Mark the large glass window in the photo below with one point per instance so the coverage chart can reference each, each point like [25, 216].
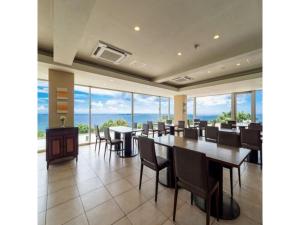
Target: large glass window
[172, 108]
[164, 108]
[81, 112]
[146, 108]
[259, 114]
[214, 109]
[190, 108]
[110, 108]
[243, 107]
[43, 108]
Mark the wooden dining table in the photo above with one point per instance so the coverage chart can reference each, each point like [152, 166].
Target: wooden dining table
[218, 156]
[127, 132]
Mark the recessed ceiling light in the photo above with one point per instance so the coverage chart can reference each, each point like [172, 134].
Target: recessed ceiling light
[208, 71]
[179, 53]
[247, 60]
[238, 64]
[136, 28]
[216, 36]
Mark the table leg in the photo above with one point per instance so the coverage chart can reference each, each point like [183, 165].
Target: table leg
[229, 209]
[253, 157]
[127, 146]
[172, 130]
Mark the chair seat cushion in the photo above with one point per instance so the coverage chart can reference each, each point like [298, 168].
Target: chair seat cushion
[252, 147]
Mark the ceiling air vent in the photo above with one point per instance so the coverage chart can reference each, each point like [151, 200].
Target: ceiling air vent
[182, 79]
[109, 53]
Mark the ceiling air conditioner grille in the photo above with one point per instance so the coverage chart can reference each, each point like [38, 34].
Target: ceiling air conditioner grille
[109, 53]
[182, 79]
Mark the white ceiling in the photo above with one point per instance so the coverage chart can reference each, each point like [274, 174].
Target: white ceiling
[72, 29]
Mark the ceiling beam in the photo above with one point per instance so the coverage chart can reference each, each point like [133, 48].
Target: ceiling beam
[69, 27]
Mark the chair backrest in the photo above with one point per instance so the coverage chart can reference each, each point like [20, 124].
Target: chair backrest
[190, 133]
[107, 134]
[181, 124]
[211, 133]
[251, 137]
[97, 131]
[226, 125]
[161, 126]
[203, 123]
[169, 122]
[191, 169]
[150, 124]
[145, 130]
[147, 150]
[134, 125]
[231, 122]
[229, 138]
[255, 126]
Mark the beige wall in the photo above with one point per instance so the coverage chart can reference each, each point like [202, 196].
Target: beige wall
[60, 79]
[180, 107]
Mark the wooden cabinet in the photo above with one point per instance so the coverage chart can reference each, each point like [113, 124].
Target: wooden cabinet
[61, 143]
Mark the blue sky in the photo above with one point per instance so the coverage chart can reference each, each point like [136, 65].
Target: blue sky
[106, 101]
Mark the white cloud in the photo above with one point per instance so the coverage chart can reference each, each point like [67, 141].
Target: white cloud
[42, 109]
[80, 101]
[214, 100]
[43, 90]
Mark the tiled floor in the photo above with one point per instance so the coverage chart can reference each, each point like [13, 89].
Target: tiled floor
[95, 191]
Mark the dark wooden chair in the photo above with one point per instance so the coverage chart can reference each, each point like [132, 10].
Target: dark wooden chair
[226, 126]
[191, 126]
[144, 133]
[202, 126]
[98, 138]
[230, 139]
[211, 133]
[232, 123]
[255, 126]
[251, 139]
[194, 177]
[190, 133]
[180, 127]
[151, 128]
[112, 142]
[148, 158]
[162, 128]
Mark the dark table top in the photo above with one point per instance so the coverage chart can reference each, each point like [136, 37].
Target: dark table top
[225, 155]
[123, 129]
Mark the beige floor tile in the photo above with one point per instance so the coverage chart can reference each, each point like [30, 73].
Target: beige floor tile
[148, 188]
[104, 214]
[123, 221]
[250, 209]
[80, 177]
[58, 185]
[94, 198]
[190, 215]
[42, 218]
[127, 171]
[241, 220]
[64, 212]
[130, 200]
[135, 179]
[119, 187]
[56, 176]
[62, 196]
[168, 222]
[80, 220]
[89, 185]
[109, 177]
[165, 202]
[147, 214]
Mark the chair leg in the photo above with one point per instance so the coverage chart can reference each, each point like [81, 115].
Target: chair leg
[231, 183]
[175, 202]
[110, 152]
[96, 144]
[141, 176]
[99, 147]
[156, 185]
[239, 171]
[105, 149]
[208, 210]
[192, 197]
[260, 153]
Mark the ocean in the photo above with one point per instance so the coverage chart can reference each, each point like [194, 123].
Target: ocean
[101, 118]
